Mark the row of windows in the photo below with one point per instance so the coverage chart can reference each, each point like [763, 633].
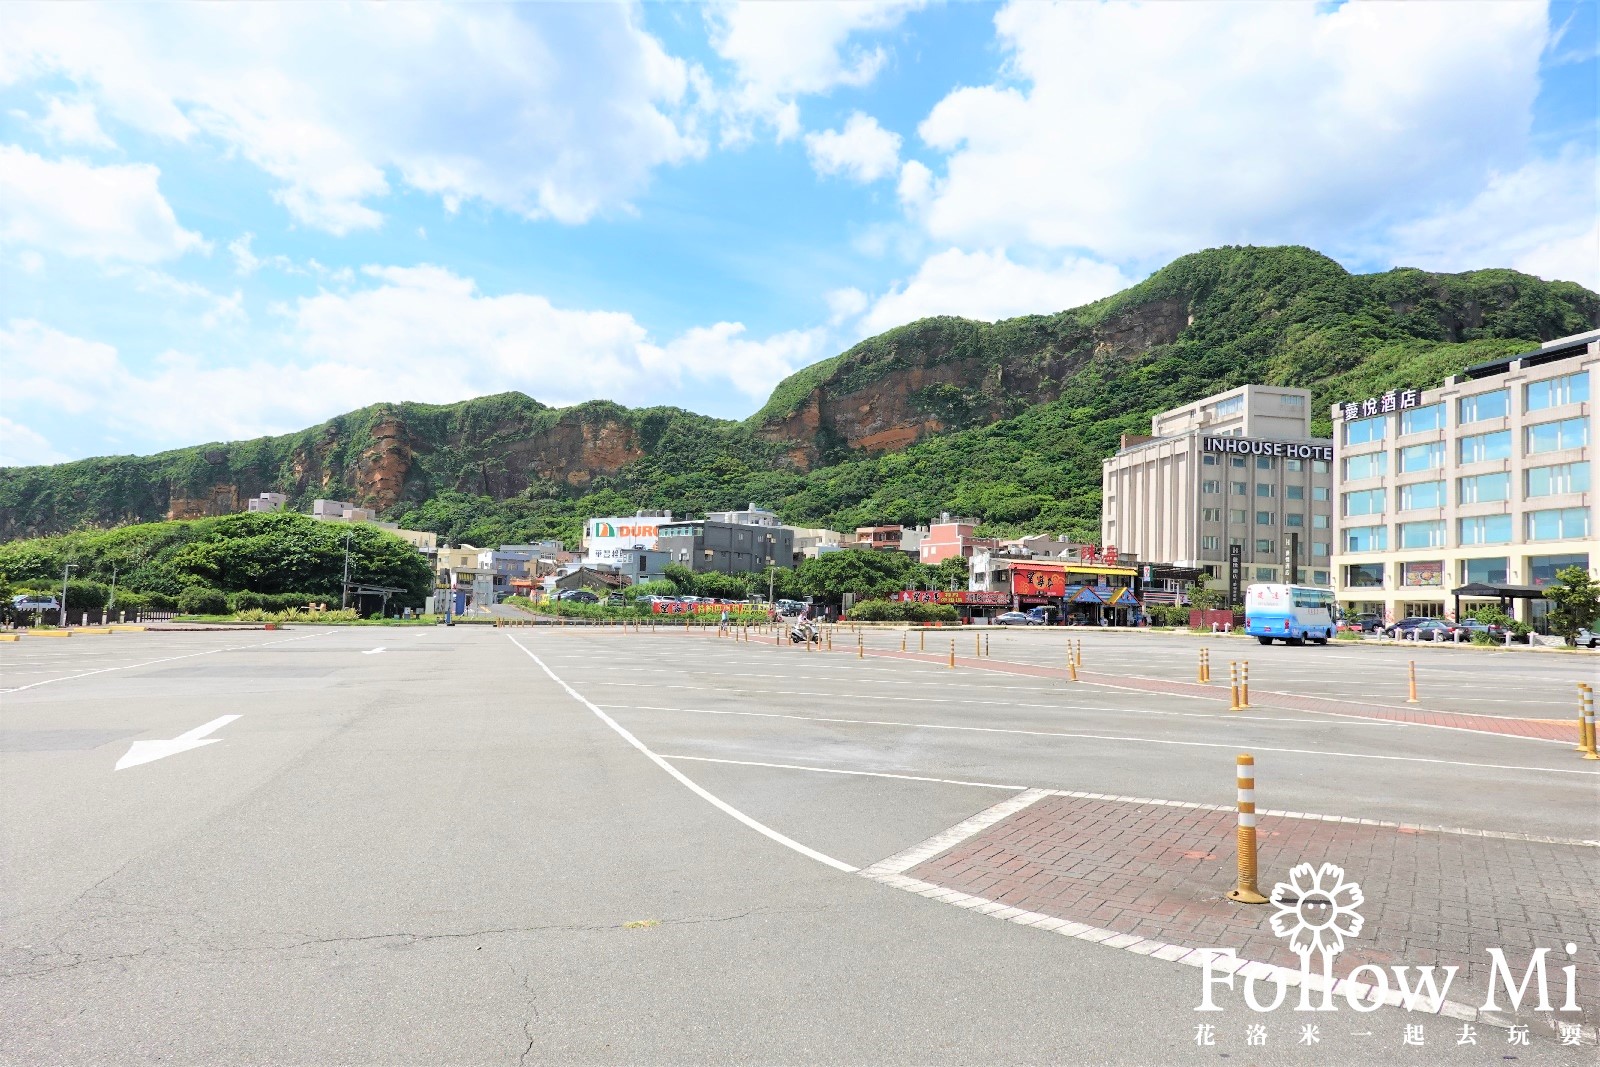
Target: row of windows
[1265, 490]
[1473, 448]
[1238, 516]
[1536, 396]
[1266, 463]
[1488, 570]
[1213, 543]
[1554, 524]
[1269, 574]
[1475, 489]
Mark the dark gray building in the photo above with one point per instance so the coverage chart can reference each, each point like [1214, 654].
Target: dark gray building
[641, 564]
[726, 547]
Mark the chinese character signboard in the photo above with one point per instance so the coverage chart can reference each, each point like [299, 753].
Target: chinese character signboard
[952, 596]
[1038, 581]
[1393, 400]
[1235, 575]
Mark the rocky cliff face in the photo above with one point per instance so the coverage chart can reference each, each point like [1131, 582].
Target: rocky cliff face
[1203, 323]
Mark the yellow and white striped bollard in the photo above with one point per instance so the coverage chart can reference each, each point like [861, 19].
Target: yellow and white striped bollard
[1246, 892]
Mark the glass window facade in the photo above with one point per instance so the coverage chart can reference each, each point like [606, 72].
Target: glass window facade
[1558, 524]
[1363, 502]
[1483, 447]
[1360, 431]
[1421, 495]
[1364, 575]
[1555, 436]
[1370, 465]
[1419, 419]
[1294, 520]
[1421, 534]
[1266, 490]
[1319, 522]
[1485, 530]
[1490, 570]
[1553, 392]
[1484, 488]
[1211, 486]
[1240, 488]
[1366, 539]
[1492, 405]
[1294, 492]
[1561, 478]
[1420, 457]
[1319, 492]
[1264, 544]
[1265, 463]
[1542, 570]
[1266, 518]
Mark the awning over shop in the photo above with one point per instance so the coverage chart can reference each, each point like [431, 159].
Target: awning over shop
[1124, 599]
[1505, 594]
[1086, 594]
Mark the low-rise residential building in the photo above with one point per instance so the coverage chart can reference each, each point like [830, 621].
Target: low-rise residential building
[729, 548]
[952, 537]
[813, 541]
[267, 502]
[751, 516]
[642, 564]
[886, 536]
[1475, 492]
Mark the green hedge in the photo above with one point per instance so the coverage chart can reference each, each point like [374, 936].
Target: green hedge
[899, 611]
[200, 600]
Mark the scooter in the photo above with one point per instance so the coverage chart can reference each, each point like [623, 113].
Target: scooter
[804, 630]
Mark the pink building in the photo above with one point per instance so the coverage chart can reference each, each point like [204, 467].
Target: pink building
[950, 537]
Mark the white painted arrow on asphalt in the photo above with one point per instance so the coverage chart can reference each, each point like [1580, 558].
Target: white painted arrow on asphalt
[372, 651]
[146, 751]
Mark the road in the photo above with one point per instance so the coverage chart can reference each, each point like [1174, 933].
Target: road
[542, 845]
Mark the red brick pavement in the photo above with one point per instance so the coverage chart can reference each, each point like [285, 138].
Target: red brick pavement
[1161, 873]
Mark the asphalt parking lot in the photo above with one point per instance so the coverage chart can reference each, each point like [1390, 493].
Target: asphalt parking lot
[569, 845]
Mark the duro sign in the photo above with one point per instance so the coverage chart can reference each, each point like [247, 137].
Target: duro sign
[606, 540]
[1251, 446]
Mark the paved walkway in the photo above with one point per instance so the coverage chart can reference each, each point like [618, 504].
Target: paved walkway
[1161, 873]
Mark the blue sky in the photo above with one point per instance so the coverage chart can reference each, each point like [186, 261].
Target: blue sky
[222, 221]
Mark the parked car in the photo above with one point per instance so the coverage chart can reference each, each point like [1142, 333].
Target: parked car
[1587, 638]
[615, 600]
[1488, 629]
[581, 596]
[1366, 622]
[1017, 618]
[1404, 627]
[1427, 630]
[1041, 615]
[31, 602]
[790, 607]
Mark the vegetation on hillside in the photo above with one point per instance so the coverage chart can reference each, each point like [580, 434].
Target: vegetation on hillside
[1283, 316]
[266, 561]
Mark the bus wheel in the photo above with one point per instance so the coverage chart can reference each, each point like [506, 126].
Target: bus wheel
[1295, 642]
[1265, 640]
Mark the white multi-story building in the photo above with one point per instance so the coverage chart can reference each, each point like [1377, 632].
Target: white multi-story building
[1475, 491]
[1238, 470]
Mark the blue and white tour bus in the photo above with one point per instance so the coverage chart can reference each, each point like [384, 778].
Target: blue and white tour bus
[1293, 614]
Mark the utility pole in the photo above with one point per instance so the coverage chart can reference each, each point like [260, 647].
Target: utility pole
[344, 596]
[112, 606]
[66, 570]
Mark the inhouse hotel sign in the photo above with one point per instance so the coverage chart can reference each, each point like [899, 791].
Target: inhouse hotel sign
[1393, 400]
[1251, 446]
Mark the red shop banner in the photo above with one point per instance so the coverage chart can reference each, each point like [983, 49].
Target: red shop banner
[677, 608]
[1038, 581]
[951, 596]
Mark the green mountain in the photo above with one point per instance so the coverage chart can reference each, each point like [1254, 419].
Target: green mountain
[1006, 420]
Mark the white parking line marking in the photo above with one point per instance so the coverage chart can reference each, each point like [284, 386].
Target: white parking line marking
[1108, 737]
[684, 779]
[837, 770]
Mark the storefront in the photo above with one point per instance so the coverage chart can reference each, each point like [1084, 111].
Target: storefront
[1080, 593]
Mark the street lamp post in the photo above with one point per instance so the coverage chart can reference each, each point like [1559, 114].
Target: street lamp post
[344, 590]
[66, 570]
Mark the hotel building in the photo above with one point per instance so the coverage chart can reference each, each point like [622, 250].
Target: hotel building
[1238, 470]
[1476, 491]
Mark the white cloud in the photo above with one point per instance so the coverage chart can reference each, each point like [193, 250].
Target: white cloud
[77, 209]
[409, 333]
[30, 261]
[916, 184]
[786, 48]
[22, 447]
[862, 151]
[1539, 218]
[990, 286]
[72, 122]
[845, 304]
[567, 110]
[723, 351]
[1146, 130]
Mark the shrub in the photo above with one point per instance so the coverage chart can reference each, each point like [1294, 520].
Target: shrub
[1167, 615]
[199, 600]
